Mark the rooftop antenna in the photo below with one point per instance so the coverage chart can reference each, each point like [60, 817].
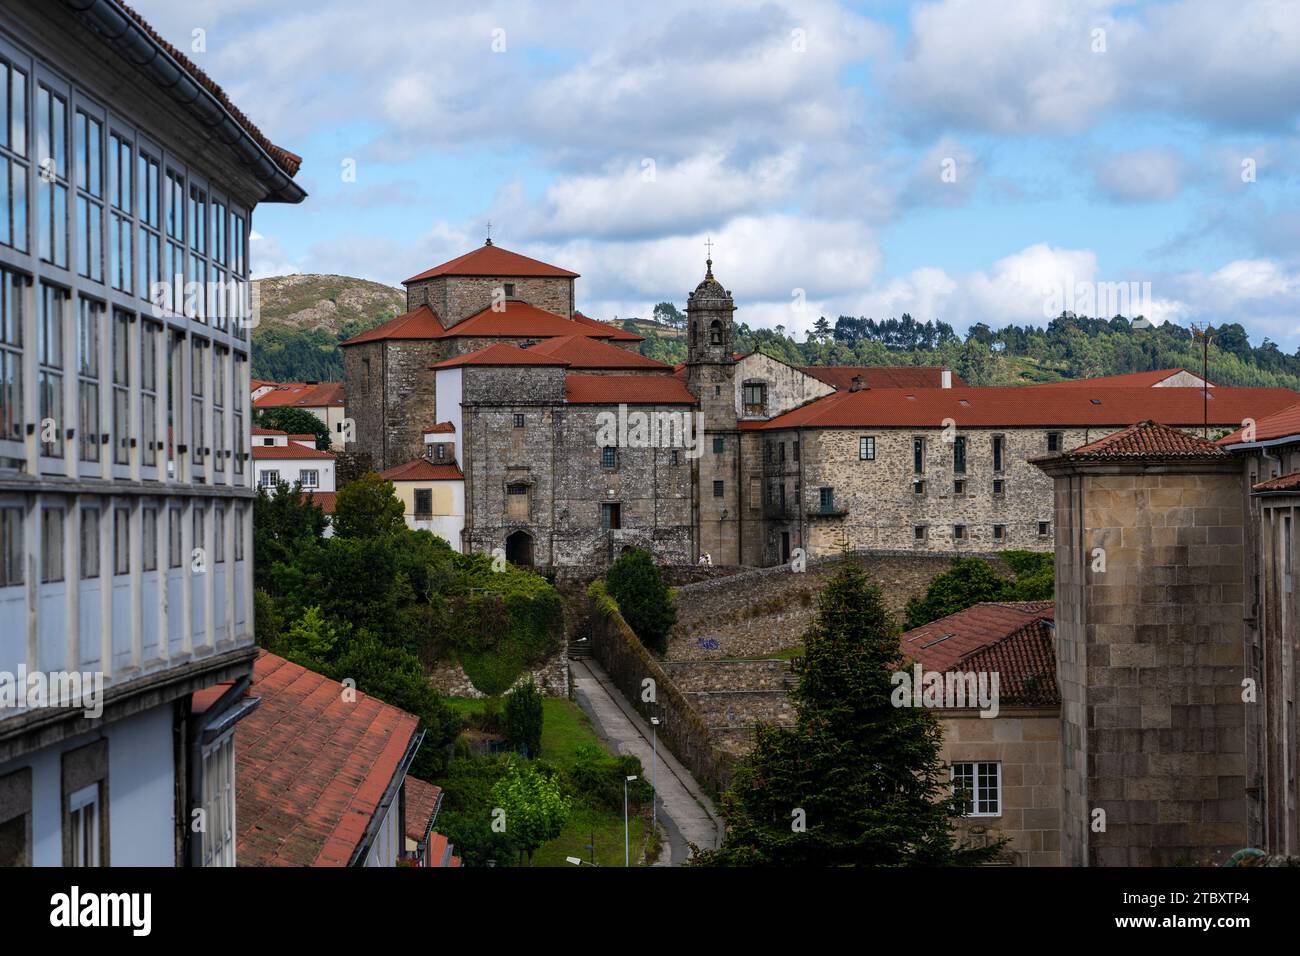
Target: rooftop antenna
[1205, 333]
[489, 234]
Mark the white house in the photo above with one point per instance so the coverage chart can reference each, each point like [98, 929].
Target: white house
[126, 623]
[279, 456]
[325, 400]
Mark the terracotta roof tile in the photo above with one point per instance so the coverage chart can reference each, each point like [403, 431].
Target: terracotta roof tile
[628, 389]
[419, 323]
[270, 431]
[500, 354]
[421, 469]
[312, 766]
[942, 644]
[1289, 482]
[579, 351]
[1146, 439]
[522, 320]
[440, 428]
[882, 376]
[1279, 424]
[291, 450]
[422, 802]
[301, 395]
[489, 260]
[1029, 406]
[1025, 662]
[325, 500]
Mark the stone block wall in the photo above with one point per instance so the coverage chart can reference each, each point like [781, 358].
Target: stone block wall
[391, 396]
[457, 298]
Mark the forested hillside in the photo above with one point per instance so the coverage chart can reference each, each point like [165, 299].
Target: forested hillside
[304, 317]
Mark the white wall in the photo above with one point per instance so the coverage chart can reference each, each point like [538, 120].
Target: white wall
[291, 469]
[446, 396]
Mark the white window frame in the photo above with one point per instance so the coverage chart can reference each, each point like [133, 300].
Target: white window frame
[315, 478]
[83, 803]
[218, 836]
[976, 789]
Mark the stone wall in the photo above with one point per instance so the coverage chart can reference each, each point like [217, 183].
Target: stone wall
[456, 298]
[552, 678]
[391, 396]
[1151, 653]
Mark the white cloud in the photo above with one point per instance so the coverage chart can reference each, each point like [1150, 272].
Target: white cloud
[1153, 174]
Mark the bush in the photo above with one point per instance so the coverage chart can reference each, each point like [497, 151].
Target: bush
[523, 719]
[597, 778]
[969, 581]
[635, 583]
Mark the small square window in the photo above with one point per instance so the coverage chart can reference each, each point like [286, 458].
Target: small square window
[999, 532]
[959, 486]
[519, 420]
[510, 290]
[980, 786]
[1053, 441]
[719, 445]
[675, 457]
[959, 532]
[999, 487]
[918, 532]
[1044, 528]
[717, 391]
[918, 486]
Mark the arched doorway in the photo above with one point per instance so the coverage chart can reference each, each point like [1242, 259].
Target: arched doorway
[519, 549]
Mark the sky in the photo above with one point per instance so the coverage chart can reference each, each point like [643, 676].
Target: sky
[961, 161]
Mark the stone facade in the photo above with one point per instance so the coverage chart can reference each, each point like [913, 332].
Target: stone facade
[394, 397]
[455, 298]
[1150, 658]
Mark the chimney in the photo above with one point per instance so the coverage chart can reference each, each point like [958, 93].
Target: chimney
[945, 378]
[859, 383]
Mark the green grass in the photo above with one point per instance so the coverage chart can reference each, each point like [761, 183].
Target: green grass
[564, 729]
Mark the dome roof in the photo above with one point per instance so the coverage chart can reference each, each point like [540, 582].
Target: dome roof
[709, 287]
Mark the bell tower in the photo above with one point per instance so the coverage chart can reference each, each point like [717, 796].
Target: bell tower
[708, 321]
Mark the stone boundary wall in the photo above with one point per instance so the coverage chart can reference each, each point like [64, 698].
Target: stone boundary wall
[693, 677]
[552, 678]
[682, 729]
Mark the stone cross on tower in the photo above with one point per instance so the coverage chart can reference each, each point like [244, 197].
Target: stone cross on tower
[489, 234]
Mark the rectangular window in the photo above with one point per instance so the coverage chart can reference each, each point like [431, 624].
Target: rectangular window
[149, 538]
[611, 516]
[148, 209]
[980, 785]
[1053, 441]
[121, 268]
[121, 541]
[719, 444]
[198, 364]
[122, 431]
[423, 502]
[89, 146]
[509, 290]
[237, 393]
[269, 478]
[999, 532]
[11, 547]
[918, 486]
[15, 165]
[219, 802]
[13, 297]
[239, 532]
[174, 553]
[1044, 528]
[310, 478]
[674, 458]
[51, 545]
[754, 397]
[198, 527]
[609, 458]
[89, 543]
[826, 499]
[519, 420]
[918, 532]
[49, 352]
[718, 487]
[959, 532]
[85, 826]
[89, 314]
[52, 184]
[918, 456]
[999, 487]
[150, 337]
[959, 486]
[795, 446]
[866, 449]
[959, 454]
[998, 443]
[218, 534]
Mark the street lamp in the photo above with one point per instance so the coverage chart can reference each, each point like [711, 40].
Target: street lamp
[654, 774]
[627, 838]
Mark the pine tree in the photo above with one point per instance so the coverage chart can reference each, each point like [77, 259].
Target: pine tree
[856, 781]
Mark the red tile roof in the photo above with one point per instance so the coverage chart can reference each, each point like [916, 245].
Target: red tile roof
[579, 351]
[291, 450]
[521, 320]
[1280, 424]
[301, 395]
[1289, 482]
[490, 260]
[502, 353]
[1146, 439]
[1028, 406]
[271, 431]
[882, 376]
[441, 428]
[313, 766]
[1129, 380]
[629, 389]
[287, 161]
[617, 334]
[325, 500]
[1025, 662]
[421, 469]
[422, 801]
[942, 644]
[419, 323]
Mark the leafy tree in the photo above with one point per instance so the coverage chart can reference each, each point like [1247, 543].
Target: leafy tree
[1035, 575]
[284, 528]
[635, 583]
[535, 809]
[368, 508]
[523, 718]
[310, 641]
[969, 581]
[295, 421]
[857, 781]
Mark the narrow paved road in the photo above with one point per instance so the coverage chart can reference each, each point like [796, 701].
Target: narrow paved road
[685, 811]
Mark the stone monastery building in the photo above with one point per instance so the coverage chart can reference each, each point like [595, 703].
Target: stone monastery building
[495, 375]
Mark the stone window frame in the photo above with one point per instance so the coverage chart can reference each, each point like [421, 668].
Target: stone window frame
[1044, 529]
[614, 511]
[519, 419]
[959, 486]
[16, 802]
[609, 458]
[1054, 441]
[998, 453]
[959, 450]
[81, 768]
[999, 532]
[866, 448]
[920, 532]
[918, 487]
[918, 454]
[719, 444]
[999, 487]
[719, 488]
[674, 458]
[959, 533]
[753, 407]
